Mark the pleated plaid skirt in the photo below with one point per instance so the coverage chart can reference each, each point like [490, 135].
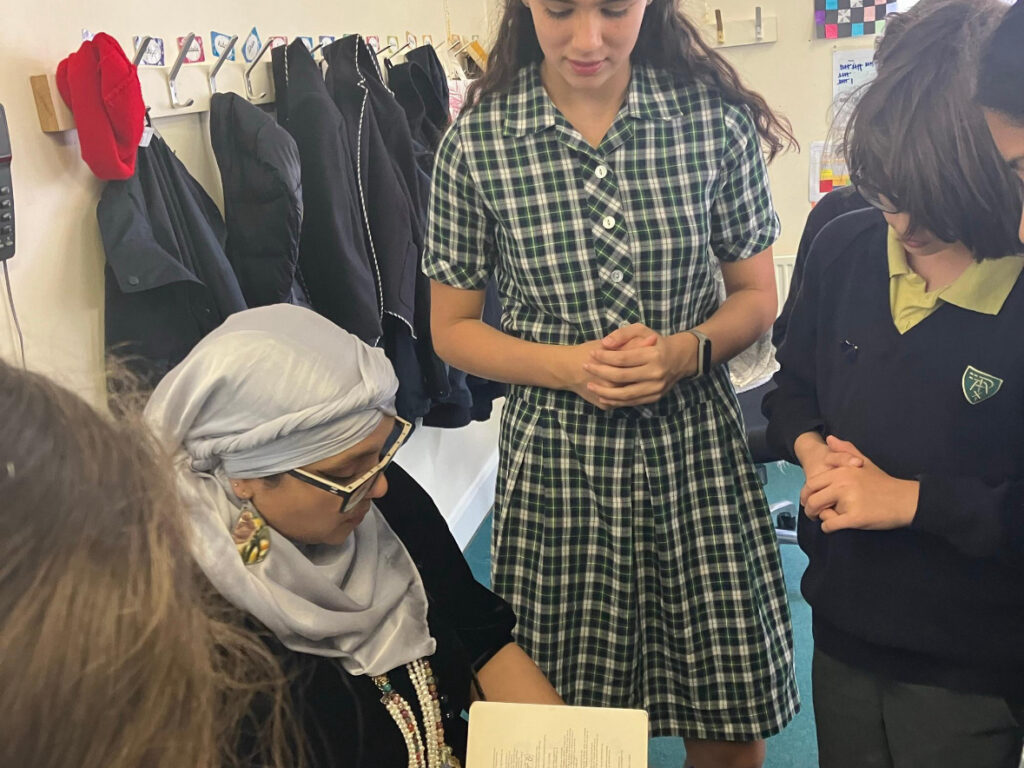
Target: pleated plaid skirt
[638, 551]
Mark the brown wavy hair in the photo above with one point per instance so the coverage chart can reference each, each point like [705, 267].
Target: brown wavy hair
[668, 40]
[917, 137]
[115, 653]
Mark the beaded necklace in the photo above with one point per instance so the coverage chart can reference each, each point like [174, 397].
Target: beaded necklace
[426, 750]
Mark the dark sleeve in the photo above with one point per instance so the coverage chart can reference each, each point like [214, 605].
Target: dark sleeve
[483, 621]
[835, 203]
[979, 518]
[792, 407]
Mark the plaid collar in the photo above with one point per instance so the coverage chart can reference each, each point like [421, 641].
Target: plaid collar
[652, 95]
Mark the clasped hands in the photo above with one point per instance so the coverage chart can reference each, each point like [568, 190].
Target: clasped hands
[631, 366]
[846, 490]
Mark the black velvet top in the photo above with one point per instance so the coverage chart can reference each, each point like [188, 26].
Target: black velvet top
[341, 715]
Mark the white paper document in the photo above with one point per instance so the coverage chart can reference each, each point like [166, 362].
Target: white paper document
[538, 736]
[852, 68]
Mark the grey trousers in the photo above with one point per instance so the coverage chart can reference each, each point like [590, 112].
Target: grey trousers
[865, 721]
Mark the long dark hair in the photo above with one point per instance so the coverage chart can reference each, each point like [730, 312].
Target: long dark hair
[916, 136]
[668, 41]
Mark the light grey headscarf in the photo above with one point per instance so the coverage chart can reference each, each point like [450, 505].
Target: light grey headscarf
[273, 389]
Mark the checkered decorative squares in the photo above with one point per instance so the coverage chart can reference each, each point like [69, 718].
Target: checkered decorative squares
[851, 18]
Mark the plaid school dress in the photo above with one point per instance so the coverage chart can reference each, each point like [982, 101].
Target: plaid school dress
[636, 545]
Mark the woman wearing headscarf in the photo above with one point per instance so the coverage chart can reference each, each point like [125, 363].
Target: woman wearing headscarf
[282, 425]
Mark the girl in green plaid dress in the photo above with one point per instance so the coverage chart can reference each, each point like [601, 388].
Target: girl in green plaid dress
[607, 157]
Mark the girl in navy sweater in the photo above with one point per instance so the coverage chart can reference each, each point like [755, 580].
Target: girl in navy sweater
[901, 394]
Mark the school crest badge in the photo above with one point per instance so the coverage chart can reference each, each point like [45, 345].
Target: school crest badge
[979, 386]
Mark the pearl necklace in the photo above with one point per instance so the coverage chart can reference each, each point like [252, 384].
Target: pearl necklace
[429, 749]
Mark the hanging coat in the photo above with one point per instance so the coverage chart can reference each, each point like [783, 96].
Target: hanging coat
[426, 57]
[424, 99]
[390, 215]
[394, 208]
[339, 270]
[168, 280]
[262, 180]
[428, 117]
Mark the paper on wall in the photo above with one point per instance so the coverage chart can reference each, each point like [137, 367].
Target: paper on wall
[196, 52]
[251, 46]
[851, 69]
[154, 55]
[219, 43]
[827, 171]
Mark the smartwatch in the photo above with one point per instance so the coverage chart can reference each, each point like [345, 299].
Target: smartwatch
[703, 351]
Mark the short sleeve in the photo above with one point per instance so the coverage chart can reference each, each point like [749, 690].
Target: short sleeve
[743, 219]
[460, 244]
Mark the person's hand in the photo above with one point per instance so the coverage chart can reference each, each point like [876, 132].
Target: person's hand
[815, 457]
[812, 452]
[845, 496]
[636, 366]
[575, 376]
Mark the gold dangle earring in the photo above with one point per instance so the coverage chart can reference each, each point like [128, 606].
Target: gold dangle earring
[251, 535]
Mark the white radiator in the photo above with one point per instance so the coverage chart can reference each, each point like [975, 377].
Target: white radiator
[783, 277]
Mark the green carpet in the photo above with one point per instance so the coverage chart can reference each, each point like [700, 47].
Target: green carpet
[795, 747]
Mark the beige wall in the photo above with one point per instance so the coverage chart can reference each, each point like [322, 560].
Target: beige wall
[795, 76]
[57, 273]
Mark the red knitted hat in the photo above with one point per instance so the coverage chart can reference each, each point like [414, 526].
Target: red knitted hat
[101, 86]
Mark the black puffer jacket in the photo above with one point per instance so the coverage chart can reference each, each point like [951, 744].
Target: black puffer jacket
[262, 178]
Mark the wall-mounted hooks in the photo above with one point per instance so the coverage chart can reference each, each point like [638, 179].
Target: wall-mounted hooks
[248, 72]
[755, 29]
[385, 49]
[140, 51]
[172, 78]
[220, 62]
[407, 45]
